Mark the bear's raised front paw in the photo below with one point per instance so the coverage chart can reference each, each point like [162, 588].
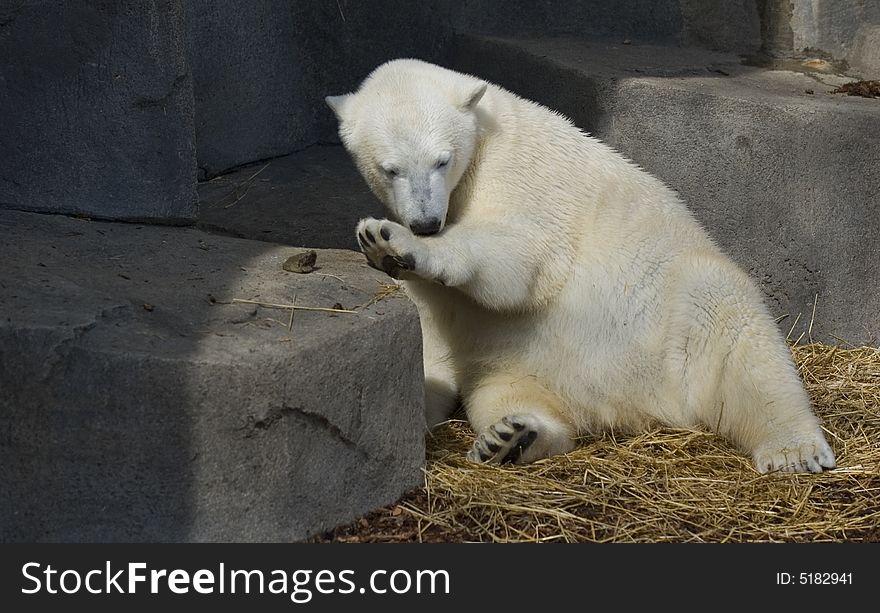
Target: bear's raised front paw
[505, 441]
[385, 245]
[810, 455]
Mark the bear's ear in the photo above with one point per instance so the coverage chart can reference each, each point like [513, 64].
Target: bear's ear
[339, 104]
[473, 95]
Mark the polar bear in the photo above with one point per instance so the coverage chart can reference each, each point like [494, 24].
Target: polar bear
[561, 289]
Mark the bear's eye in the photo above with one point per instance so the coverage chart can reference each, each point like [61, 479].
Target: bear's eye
[390, 171]
[442, 161]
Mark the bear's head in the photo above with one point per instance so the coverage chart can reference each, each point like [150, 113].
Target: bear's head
[412, 128]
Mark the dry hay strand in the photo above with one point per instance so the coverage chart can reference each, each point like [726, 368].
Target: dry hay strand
[386, 290]
[661, 486]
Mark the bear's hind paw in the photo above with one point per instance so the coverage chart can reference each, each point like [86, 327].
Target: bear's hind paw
[812, 455]
[505, 441]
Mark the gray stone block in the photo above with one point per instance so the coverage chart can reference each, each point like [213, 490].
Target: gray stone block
[731, 25]
[640, 20]
[830, 25]
[138, 404]
[261, 71]
[865, 55]
[785, 180]
[313, 197]
[97, 110]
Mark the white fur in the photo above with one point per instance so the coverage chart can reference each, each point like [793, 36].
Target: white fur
[569, 291]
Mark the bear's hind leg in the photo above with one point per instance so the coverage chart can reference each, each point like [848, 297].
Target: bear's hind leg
[772, 417]
[516, 420]
[738, 374]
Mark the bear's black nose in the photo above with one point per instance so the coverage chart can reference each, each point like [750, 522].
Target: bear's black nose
[425, 226]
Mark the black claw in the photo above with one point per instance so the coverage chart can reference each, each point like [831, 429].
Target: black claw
[517, 425]
[484, 456]
[493, 447]
[362, 241]
[386, 234]
[505, 436]
[370, 235]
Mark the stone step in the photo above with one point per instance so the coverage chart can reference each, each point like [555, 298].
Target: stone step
[784, 174]
[312, 197]
[138, 402]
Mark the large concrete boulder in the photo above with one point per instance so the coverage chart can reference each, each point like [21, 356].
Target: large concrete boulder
[138, 402]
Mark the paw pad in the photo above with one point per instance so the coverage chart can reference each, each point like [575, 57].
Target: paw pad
[503, 442]
[374, 238]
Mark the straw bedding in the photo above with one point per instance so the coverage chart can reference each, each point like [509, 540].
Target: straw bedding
[664, 485]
